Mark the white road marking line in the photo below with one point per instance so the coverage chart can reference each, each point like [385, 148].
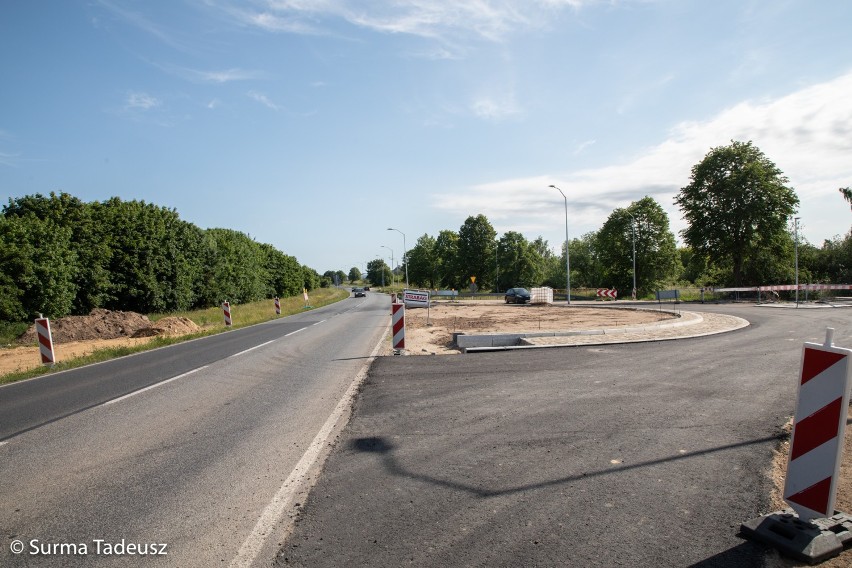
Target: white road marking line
[250, 349]
[295, 332]
[4, 443]
[319, 322]
[161, 383]
[296, 481]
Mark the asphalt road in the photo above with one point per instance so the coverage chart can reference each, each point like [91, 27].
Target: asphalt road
[202, 462]
[645, 454]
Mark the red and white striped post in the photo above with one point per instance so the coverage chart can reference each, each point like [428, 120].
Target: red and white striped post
[45, 340]
[816, 447]
[398, 321]
[277, 306]
[226, 309]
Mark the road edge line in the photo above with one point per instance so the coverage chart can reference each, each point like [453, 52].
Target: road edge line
[299, 482]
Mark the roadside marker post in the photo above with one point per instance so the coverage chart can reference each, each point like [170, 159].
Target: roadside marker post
[45, 341]
[226, 309]
[398, 324]
[277, 306]
[816, 446]
[812, 530]
[607, 293]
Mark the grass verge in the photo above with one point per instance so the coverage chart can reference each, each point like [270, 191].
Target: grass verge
[211, 320]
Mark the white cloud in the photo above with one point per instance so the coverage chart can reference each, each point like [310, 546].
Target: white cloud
[489, 19]
[10, 160]
[263, 99]
[807, 134]
[141, 101]
[224, 76]
[582, 146]
[493, 109]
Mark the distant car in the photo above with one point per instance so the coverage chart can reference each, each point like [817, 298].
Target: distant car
[517, 296]
[359, 292]
[366, 288]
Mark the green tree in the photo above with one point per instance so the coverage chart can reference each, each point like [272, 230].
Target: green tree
[312, 278]
[422, 265]
[354, 274]
[586, 268]
[476, 250]
[89, 242]
[378, 273]
[447, 260]
[736, 205]
[520, 263]
[847, 194]
[234, 268]
[38, 264]
[657, 259]
[284, 273]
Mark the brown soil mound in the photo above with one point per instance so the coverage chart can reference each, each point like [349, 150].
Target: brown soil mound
[99, 324]
[169, 326]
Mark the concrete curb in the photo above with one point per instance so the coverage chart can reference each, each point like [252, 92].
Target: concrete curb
[507, 341]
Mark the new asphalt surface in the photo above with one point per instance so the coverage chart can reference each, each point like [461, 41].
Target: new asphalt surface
[639, 454]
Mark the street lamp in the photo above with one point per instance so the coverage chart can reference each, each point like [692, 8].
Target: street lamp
[567, 261]
[404, 254]
[392, 263]
[796, 232]
[633, 228]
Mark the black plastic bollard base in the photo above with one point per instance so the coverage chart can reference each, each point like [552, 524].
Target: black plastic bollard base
[809, 541]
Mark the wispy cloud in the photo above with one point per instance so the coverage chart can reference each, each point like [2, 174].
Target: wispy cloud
[491, 108]
[583, 145]
[222, 76]
[263, 99]
[141, 22]
[808, 134]
[11, 160]
[141, 101]
[488, 19]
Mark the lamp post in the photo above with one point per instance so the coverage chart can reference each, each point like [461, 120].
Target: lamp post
[567, 261]
[393, 282]
[404, 255]
[796, 232]
[633, 228]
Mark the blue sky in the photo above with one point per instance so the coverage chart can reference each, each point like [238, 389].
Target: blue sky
[314, 125]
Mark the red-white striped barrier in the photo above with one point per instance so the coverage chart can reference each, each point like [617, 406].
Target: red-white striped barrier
[607, 293]
[45, 341]
[398, 324]
[226, 308]
[816, 447]
[277, 306]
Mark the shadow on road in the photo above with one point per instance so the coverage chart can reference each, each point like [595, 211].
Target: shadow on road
[384, 448]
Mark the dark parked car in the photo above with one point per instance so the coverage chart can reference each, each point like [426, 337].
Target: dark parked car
[517, 296]
[359, 292]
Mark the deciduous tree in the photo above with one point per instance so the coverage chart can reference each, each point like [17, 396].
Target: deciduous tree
[737, 204]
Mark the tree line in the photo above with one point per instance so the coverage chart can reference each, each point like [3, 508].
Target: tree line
[738, 207]
[61, 256]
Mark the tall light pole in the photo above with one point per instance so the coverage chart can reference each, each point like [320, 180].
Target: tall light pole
[393, 282]
[796, 232]
[633, 227]
[567, 261]
[404, 255]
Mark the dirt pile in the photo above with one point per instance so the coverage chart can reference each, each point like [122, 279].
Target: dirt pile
[99, 324]
[106, 324]
[168, 326]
